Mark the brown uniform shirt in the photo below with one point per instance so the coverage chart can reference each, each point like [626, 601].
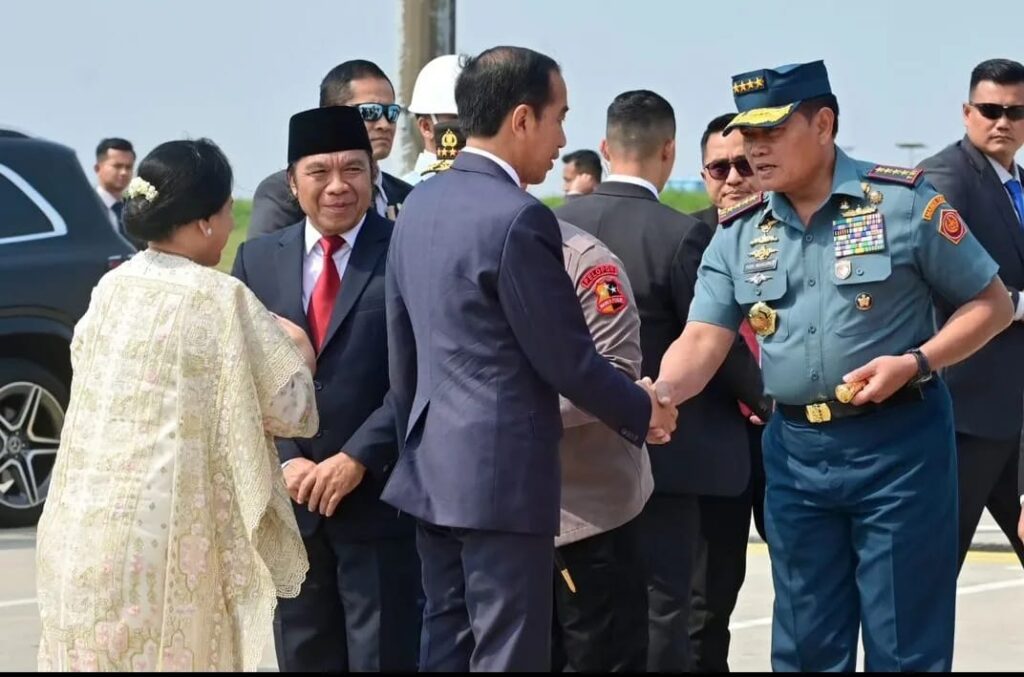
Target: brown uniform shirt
[605, 480]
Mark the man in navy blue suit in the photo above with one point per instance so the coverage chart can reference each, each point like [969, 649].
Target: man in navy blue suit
[358, 609]
[484, 332]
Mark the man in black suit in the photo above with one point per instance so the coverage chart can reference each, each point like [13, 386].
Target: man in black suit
[724, 520]
[712, 456]
[357, 83]
[358, 609]
[980, 178]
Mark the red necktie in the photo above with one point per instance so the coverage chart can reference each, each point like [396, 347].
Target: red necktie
[748, 335]
[321, 304]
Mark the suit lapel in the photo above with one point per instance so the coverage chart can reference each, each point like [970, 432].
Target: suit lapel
[371, 244]
[289, 258]
[998, 196]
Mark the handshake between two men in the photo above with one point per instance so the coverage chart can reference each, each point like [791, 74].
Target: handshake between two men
[663, 414]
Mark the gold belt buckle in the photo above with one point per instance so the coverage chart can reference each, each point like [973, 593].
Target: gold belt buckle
[818, 413]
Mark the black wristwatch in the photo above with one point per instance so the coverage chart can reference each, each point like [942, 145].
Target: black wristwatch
[924, 370]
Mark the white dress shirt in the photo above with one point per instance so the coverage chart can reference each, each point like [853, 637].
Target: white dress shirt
[635, 180]
[495, 159]
[109, 201]
[313, 261]
[381, 199]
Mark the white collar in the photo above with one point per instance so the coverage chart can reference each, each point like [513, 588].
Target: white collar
[1001, 172]
[313, 235]
[496, 160]
[107, 198]
[635, 180]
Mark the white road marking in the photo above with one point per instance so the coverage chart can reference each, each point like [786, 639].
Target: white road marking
[966, 590]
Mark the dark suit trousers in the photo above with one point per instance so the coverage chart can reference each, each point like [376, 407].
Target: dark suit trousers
[358, 610]
[602, 627]
[988, 479]
[721, 563]
[488, 603]
[668, 532]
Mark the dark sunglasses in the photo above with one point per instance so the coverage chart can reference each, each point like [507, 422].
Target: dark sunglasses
[994, 111]
[372, 112]
[719, 169]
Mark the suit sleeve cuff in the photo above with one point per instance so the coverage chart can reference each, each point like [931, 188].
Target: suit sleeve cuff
[377, 461]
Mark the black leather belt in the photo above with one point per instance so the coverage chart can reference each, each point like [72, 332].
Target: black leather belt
[823, 412]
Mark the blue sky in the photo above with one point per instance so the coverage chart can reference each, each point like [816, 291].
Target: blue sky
[156, 70]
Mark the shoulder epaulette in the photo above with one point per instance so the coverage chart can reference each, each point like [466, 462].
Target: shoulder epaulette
[580, 243]
[437, 167]
[907, 177]
[742, 207]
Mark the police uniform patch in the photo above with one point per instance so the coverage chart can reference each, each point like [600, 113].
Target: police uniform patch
[741, 207]
[933, 204]
[604, 279]
[951, 226]
[863, 233]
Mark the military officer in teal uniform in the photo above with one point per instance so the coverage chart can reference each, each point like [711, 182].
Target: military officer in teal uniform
[834, 269]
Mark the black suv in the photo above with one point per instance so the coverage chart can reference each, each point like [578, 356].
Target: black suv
[56, 241]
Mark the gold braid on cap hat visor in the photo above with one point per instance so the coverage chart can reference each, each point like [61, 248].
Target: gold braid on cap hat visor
[762, 116]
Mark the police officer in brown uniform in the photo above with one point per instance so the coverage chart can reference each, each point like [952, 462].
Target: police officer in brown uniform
[600, 591]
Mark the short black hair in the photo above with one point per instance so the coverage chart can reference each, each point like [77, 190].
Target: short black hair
[716, 126]
[810, 107]
[113, 143]
[640, 121]
[193, 181]
[999, 71]
[585, 161]
[493, 83]
[336, 87]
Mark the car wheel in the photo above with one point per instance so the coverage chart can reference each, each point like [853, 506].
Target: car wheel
[32, 406]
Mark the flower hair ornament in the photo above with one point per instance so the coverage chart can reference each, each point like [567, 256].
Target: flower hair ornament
[139, 187]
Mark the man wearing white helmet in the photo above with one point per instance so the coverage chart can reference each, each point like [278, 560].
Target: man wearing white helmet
[433, 101]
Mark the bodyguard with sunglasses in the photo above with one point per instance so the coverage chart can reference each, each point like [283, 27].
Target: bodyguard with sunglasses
[357, 83]
[721, 562]
[981, 179]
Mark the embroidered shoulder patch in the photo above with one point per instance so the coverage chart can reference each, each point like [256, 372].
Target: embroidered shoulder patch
[749, 204]
[604, 279]
[951, 226]
[907, 177]
[933, 204]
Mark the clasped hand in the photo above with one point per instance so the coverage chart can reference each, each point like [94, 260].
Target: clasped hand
[663, 414]
[322, 486]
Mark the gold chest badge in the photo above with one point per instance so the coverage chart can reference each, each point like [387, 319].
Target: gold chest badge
[763, 319]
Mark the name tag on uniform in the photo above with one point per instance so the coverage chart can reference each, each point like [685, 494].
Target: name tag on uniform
[760, 266]
[860, 234]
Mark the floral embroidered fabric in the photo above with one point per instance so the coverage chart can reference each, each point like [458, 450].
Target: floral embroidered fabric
[168, 533]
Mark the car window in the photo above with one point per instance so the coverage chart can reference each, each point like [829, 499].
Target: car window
[24, 213]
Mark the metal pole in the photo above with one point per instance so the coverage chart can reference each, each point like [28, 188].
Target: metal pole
[427, 31]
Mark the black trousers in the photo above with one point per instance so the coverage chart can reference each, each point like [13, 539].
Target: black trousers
[987, 471]
[668, 534]
[721, 563]
[359, 609]
[602, 627]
